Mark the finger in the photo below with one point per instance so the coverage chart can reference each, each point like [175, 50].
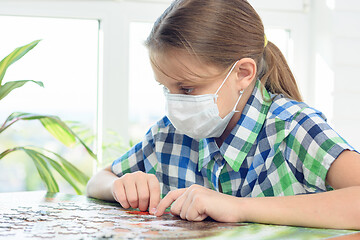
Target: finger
[168, 200]
[120, 195]
[186, 201]
[131, 193]
[154, 189]
[143, 193]
[178, 205]
[195, 211]
[115, 185]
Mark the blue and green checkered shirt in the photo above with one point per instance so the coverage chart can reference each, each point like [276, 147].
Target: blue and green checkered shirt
[278, 147]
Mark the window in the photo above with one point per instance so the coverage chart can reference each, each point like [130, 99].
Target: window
[119, 29]
[146, 101]
[66, 61]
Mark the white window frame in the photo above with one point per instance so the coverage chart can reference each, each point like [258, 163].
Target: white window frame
[115, 18]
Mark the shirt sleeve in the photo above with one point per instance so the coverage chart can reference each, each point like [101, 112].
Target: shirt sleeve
[141, 157]
[312, 147]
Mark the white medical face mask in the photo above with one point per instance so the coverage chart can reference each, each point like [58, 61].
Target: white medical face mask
[198, 115]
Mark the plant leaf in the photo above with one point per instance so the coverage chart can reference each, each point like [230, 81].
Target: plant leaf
[42, 162]
[16, 115]
[6, 152]
[63, 173]
[63, 133]
[77, 174]
[73, 171]
[59, 130]
[90, 152]
[14, 56]
[43, 170]
[53, 124]
[9, 86]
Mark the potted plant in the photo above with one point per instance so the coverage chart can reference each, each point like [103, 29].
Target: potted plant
[43, 159]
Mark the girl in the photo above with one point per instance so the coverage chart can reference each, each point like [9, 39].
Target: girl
[237, 143]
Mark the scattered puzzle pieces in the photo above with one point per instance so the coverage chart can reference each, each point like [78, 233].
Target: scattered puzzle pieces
[36, 215]
[61, 216]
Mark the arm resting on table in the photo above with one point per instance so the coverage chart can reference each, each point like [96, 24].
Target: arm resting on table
[335, 209]
[99, 186]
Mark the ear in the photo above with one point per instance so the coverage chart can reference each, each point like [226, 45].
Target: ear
[245, 71]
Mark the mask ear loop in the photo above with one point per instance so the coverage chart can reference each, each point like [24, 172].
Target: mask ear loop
[237, 102]
[227, 76]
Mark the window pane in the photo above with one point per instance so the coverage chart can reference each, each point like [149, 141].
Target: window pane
[281, 38]
[146, 103]
[66, 61]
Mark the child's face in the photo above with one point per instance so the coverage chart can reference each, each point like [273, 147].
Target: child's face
[184, 74]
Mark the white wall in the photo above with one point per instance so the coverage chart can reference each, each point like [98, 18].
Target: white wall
[346, 66]
[334, 66]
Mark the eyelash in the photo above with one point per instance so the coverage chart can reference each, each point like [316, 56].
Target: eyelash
[187, 90]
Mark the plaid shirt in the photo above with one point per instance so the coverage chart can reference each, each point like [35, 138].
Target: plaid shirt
[278, 147]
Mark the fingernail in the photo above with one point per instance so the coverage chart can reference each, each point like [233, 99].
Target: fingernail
[153, 210]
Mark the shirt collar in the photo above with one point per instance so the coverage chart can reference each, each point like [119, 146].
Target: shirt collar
[237, 145]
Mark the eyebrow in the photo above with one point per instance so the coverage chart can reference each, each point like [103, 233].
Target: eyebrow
[181, 80]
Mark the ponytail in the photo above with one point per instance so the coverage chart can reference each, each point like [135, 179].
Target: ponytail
[275, 74]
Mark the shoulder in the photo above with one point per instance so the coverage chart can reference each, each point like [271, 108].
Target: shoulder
[161, 129]
[288, 117]
[288, 110]
[298, 121]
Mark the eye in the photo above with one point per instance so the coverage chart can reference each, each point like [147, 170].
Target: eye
[187, 90]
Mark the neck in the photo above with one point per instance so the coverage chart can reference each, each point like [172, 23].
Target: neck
[234, 120]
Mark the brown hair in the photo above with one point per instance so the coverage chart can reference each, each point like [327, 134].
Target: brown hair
[220, 32]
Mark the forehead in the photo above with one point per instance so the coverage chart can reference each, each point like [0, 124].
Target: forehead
[180, 66]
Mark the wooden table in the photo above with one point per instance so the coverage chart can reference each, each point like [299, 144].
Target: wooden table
[40, 215]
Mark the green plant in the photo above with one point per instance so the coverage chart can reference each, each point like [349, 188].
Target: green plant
[112, 148]
[43, 159]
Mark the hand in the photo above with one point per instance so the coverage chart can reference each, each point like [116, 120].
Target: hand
[137, 190]
[197, 202]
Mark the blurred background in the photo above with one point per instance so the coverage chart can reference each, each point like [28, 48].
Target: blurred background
[98, 78]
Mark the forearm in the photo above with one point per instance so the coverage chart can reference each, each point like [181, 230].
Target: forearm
[100, 185]
[334, 209]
